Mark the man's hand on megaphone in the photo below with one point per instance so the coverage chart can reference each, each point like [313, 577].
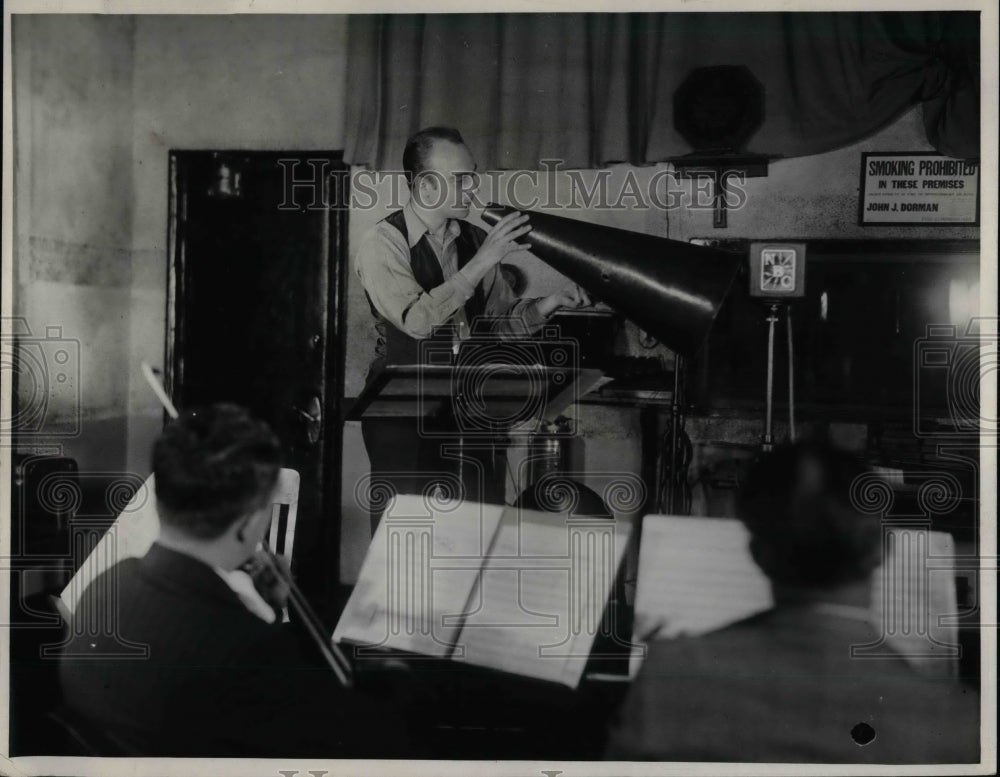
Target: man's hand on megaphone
[499, 241]
[570, 297]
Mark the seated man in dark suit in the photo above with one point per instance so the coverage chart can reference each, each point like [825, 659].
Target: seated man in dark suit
[782, 685]
[222, 676]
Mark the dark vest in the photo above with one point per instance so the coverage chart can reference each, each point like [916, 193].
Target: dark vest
[397, 347]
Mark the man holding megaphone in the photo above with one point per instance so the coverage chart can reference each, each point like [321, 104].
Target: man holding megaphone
[424, 266]
[428, 275]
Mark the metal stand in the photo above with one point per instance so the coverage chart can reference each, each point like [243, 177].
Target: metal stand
[767, 442]
[772, 319]
[676, 419]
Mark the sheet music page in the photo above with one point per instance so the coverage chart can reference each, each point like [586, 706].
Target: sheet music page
[130, 536]
[418, 575]
[913, 594]
[542, 594]
[697, 575]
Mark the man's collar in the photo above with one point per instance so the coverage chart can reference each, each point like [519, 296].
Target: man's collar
[180, 570]
[415, 227]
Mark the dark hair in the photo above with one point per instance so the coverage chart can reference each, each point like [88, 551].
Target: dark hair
[213, 465]
[805, 530]
[420, 145]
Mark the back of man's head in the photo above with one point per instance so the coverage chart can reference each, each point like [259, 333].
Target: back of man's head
[418, 149]
[212, 466]
[805, 531]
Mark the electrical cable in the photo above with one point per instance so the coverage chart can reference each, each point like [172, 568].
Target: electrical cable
[687, 456]
[791, 376]
[772, 318]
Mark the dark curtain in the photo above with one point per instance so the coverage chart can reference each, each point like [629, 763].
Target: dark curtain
[593, 89]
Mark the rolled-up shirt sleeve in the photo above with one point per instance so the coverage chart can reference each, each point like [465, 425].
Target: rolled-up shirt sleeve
[383, 266]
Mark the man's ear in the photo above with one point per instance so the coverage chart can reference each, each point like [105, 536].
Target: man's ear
[260, 520]
[428, 188]
[417, 189]
[252, 524]
[243, 527]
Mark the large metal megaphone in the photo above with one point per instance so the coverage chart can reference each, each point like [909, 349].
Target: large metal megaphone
[671, 289]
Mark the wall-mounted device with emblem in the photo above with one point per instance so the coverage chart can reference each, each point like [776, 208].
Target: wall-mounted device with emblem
[777, 270]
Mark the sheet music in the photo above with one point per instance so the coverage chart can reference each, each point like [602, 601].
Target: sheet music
[418, 576]
[697, 575]
[130, 536]
[542, 595]
[913, 594]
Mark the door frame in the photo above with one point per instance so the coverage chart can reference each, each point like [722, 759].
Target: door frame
[334, 347]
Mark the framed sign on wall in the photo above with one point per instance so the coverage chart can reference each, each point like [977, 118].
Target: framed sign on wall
[899, 188]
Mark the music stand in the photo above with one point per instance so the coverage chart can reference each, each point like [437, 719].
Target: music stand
[484, 405]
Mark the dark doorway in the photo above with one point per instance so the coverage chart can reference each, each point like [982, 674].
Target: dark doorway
[255, 316]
